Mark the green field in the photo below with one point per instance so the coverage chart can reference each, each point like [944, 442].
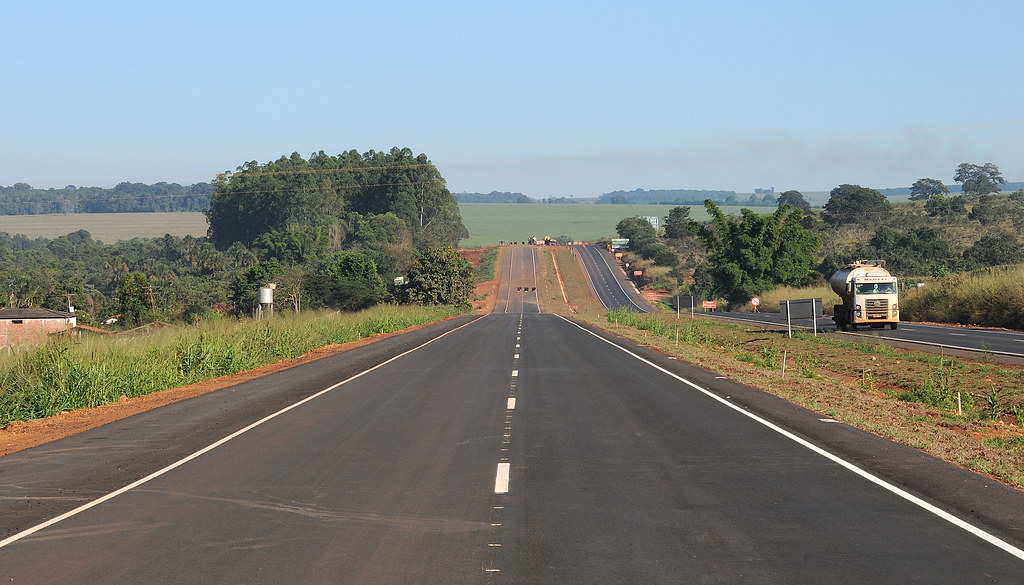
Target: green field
[490, 223]
[106, 227]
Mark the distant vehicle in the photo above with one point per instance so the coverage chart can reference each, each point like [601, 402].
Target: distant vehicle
[869, 295]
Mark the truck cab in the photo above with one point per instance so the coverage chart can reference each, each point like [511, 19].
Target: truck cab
[869, 293]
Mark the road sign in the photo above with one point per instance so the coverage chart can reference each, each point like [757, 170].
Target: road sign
[709, 304]
[755, 301]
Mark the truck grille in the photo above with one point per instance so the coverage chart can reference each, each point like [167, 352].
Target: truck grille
[877, 308]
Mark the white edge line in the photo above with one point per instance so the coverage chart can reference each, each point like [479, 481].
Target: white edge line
[987, 537]
[179, 463]
[614, 277]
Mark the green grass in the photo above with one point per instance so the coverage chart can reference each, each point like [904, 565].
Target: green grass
[485, 271]
[68, 373]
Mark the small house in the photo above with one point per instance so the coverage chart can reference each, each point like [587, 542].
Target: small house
[32, 326]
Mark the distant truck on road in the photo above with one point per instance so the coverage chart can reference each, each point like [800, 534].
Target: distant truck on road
[869, 296]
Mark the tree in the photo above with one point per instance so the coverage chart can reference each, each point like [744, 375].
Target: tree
[754, 253]
[662, 255]
[946, 209]
[853, 204]
[244, 293]
[925, 189]
[908, 252]
[440, 276]
[639, 231]
[979, 180]
[994, 249]
[677, 223]
[134, 300]
[985, 212]
[256, 199]
[794, 198]
[347, 280]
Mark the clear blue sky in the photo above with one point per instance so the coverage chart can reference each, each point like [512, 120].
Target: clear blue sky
[545, 98]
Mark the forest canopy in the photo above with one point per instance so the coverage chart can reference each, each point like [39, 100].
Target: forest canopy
[125, 197]
[325, 191]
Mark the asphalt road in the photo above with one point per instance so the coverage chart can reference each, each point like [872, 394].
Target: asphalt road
[513, 448]
[608, 281]
[925, 336]
[520, 283]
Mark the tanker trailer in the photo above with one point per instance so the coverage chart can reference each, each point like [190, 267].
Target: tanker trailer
[869, 296]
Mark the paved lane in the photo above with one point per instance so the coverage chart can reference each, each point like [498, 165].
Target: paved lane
[608, 281]
[622, 474]
[1007, 345]
[517, 449]
[385, 479]
[520, 284]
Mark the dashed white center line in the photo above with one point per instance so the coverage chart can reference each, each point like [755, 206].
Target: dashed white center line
[511, 403]
[501, 479]
[515, 373]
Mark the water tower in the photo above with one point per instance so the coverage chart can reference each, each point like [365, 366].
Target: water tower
[266, 300]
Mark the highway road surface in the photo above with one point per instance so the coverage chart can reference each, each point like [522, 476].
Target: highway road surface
[999, 343]
[609, 282]
[513, 448]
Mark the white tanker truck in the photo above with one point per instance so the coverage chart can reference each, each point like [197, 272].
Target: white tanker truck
[869, 296]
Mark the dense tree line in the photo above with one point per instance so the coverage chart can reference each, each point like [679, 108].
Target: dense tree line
[493, 197]
[327, 194]
[330, 232]
[937, 232]
[125, 197]
[666, 196]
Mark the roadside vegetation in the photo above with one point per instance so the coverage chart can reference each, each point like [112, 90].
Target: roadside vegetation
[961, 246]
[329, 232]
[968, 412]
[70, 373]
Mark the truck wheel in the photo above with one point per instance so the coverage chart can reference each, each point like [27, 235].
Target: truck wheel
[893, 325]
[853, 326]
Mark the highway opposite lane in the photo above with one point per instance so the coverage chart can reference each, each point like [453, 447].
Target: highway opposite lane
[608, 282]
[520, 448]
[1000, 343]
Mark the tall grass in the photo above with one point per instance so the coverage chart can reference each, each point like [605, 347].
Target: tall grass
[992, 297]
[68, 373]
[987, 392]
[771, 300]
[485, 271]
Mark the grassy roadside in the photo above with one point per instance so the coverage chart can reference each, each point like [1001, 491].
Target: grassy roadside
[68, 374]
[577, 289]
[906, 396]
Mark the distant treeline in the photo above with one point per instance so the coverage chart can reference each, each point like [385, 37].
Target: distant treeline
[1006, 188]
[680, 197]
[22, 199]
[492, 197]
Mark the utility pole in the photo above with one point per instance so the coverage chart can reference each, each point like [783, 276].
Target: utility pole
[152, 301]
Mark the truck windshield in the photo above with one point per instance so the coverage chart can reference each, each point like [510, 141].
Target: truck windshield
[876, 288]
